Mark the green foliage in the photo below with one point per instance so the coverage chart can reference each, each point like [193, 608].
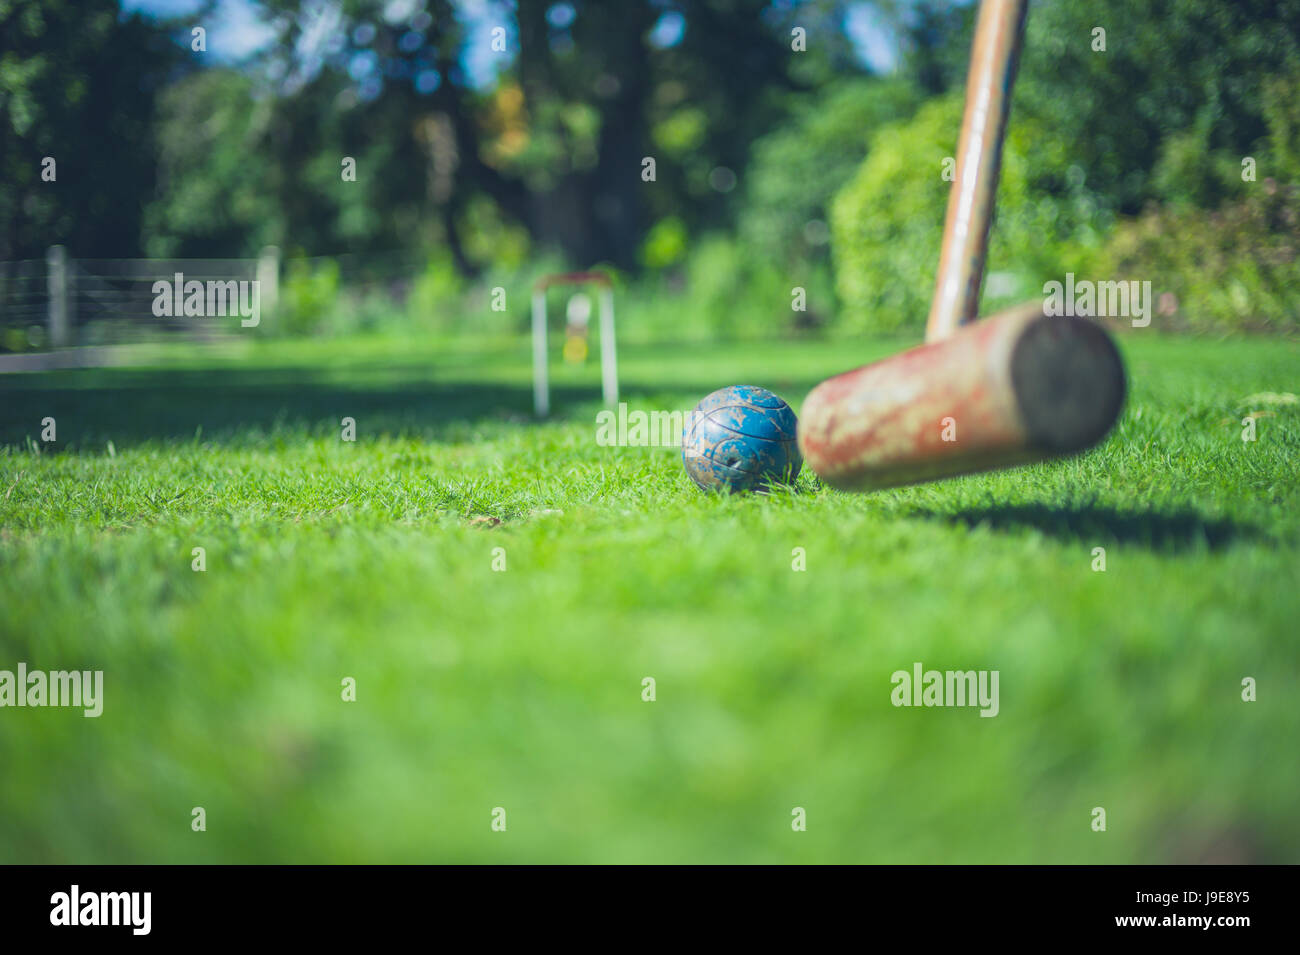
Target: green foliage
[332, 298]
[936, 44]
[717, 291]
[215, 194]
[1188, 172]
[309, 293]
[681, 132]
[798, 168]
[829, 53]
[435, 300]
[192, 159]
[665, 244]
[1093, 133]
[1282, 114]
[77, 85]
[887, 223]
[1178, 97]
[723, 285]
[492, 238]
[724, 291]
[1230, 269]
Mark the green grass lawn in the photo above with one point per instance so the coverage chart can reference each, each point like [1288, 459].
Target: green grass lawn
[478, 688]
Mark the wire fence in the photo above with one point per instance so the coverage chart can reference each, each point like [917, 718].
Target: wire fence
[61, 302]
[24, 300]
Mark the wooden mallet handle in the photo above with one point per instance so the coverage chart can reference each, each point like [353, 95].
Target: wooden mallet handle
[995, 55]
[1011, 389]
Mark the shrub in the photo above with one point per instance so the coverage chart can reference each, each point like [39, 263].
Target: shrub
[309, 293]
[1196, 71]
[887, 223]
[797, 169]
[436, 297]
[1234, 268]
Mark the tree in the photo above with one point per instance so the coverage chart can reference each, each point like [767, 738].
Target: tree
[77, 85]
[1179, 92]
[588, 91]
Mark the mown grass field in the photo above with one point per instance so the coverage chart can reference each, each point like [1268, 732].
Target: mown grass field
[522, 688]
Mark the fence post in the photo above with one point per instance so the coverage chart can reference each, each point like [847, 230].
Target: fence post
[56, 320]
[268, 278]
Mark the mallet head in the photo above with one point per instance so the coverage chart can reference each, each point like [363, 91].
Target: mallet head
[1018, 387]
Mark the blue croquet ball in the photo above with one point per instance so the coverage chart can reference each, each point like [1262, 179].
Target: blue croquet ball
[741, 439]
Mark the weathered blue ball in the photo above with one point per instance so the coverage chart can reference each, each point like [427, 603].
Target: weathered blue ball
[741, 438]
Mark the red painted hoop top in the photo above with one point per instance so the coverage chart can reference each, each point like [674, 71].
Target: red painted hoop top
[573, 278]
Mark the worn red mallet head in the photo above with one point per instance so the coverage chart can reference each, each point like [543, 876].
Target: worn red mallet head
[1011, 389]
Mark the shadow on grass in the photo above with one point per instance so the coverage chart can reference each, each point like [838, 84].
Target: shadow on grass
[1165, 531]
[228, 405]
[133, 405]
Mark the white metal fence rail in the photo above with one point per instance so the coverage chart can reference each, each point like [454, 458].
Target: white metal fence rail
[59, 301]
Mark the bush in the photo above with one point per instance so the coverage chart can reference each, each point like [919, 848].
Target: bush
[1235, 268]
[723, 291]
[887, 223]
[309, 293]
[797, 169]
[436, 298]
[1194, 71]
[1281, 105]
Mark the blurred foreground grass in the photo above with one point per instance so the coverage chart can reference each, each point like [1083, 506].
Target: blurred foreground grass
[522, 689]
